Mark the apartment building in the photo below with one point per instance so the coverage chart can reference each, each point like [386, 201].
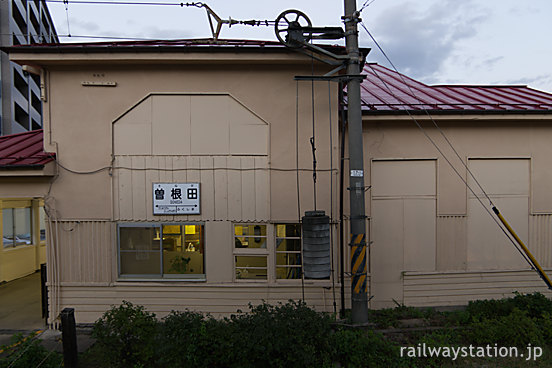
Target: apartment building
[22, 22]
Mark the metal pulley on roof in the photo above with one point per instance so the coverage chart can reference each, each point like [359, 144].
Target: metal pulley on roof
[316, 245]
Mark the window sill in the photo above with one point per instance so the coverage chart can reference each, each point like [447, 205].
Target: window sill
[18, 247]
[152, 279]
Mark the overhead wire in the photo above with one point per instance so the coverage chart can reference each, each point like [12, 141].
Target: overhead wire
[145, 3]
[428, 114]
[313, 138]
[66, 3]
[114, 167]
[366, 4]
[331, 196]
[516, 246]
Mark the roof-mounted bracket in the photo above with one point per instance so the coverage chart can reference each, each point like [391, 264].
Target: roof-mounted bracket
[294, 29]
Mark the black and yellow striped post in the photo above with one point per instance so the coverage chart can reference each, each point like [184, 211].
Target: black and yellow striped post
[358, 262]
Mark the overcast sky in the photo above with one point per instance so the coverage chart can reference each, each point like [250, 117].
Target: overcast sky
[434, 41]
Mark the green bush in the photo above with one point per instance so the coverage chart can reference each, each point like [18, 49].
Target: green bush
[357, 349]
[515, 329]
[534, 304]
[190, 339]
[286, 335]
[126, 337]
[24, 352]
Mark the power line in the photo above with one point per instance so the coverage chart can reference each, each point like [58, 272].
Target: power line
[366, 4]
[105, 2]
[428, 115]
[438, 148]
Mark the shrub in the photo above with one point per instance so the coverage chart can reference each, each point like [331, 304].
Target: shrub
[515, 329]
[190, 339]
[534, 304]
[286, 335]
[126, 336]
[357, 348]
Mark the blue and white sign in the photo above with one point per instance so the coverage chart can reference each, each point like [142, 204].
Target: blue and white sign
[176, 199]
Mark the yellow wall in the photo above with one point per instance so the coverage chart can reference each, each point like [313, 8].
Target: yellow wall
[25, 259]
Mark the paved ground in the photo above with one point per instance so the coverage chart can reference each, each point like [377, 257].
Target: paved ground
[20, 306]
[21, 312]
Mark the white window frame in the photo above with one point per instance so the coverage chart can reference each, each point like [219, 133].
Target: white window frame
[276, 252]
[252, 252]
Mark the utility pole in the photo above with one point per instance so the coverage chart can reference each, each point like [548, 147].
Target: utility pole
[359, 284]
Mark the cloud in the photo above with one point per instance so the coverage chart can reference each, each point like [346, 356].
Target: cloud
[490, 62]
[419, 41]
[543, 81]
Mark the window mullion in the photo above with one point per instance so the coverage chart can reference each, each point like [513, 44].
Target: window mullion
[161, 273]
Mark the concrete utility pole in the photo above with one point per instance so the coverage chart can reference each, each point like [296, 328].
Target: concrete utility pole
[356, 165]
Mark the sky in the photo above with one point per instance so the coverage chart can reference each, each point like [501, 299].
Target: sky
[482, 42]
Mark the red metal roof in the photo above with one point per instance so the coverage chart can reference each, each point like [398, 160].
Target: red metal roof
[386, 91]
[24, 150]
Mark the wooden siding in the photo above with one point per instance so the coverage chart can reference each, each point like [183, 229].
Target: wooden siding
[84, 251]
[233, 188]
[540, 239]
[218, 300]
[458, 288]
[451, 252]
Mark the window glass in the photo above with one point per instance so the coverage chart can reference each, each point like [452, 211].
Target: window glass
[139, 247]
[17, 226]
[183, 249]
[165, 250]
[250, 236]
[288, 251]
[42, 224]
[22, 219]
[251, 267]
[7, 223]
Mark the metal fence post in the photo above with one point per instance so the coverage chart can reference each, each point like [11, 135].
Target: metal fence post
[69, 337]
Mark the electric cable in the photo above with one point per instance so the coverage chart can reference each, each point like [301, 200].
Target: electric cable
[428, 114]
[366, 4]
[297, 149]
[134, 3]
[313, 138]
[457, 172]
[66, 3]
[331, 195]
[516, 246]
[297, 178]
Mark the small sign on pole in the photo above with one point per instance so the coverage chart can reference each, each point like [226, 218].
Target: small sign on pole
[176, 199]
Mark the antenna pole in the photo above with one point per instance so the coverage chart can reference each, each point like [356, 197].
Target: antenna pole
[359, 286]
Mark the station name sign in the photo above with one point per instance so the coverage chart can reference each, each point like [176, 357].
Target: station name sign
[176, 199]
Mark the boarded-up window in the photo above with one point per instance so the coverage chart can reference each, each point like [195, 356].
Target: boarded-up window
[403, 230]
[506, 181]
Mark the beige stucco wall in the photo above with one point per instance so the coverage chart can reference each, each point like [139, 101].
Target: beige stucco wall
[105, 178]
[75, 112]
